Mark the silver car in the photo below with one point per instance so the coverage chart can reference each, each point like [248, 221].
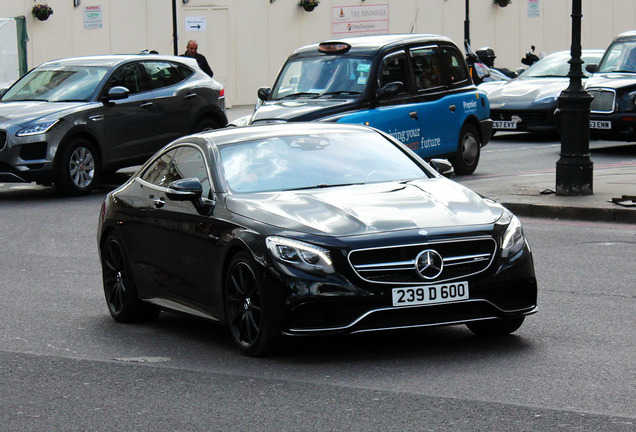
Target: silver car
[68, 121]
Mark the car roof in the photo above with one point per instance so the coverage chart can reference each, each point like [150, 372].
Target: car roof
[111, 60]
[231, 135]
[627, 35]
[374, 43]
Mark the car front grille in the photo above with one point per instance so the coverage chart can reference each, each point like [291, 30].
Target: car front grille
[529, 118]
[604, 100]
[397, 264]
[3, 139]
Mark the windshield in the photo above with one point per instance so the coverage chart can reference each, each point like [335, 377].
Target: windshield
[315, 161]
[556, 65]
[320, 76]
[60, 84]
[621, 57]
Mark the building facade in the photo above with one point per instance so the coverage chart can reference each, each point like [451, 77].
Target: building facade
[246, 41]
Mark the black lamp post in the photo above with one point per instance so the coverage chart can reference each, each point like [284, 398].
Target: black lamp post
[574, 170]
[467, 24]
[174, 28]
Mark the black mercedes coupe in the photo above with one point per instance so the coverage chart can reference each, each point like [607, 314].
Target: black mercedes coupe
[310, 229]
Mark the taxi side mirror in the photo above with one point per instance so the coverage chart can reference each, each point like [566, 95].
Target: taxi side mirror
[264, 93]
[390, 89]
[591, 68]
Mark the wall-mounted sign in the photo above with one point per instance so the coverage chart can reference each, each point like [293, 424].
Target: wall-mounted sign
[93, 17]
[533, 9]
[195, 23]
[359, 20]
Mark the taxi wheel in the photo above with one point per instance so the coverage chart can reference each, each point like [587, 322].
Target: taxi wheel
[495, 327]
[247, 309]
[205, 125]
[77, 168]
[468, 151]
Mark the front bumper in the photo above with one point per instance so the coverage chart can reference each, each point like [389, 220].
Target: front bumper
[623, 126]
[526, 120]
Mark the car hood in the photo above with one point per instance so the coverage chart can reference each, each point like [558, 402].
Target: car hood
[300, 109]
[23, 112]
[612, 80]
[369, 208]
[522, 93]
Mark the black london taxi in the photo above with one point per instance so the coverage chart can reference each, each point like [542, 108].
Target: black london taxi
[613, 86]
[415, 87]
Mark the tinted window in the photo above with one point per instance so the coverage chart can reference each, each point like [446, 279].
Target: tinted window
[621, 56]
[162, 74]
[132, 76]
[426, 67]
[177, 164]
[184, 70]
[297, 162]
[455, 65]
[393, 69]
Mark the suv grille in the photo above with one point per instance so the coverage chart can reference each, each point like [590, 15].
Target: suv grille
[603, 100]
[3, 139]
[397, 264]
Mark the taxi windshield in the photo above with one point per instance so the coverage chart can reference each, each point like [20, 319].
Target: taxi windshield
[621, 57]
[322, 77]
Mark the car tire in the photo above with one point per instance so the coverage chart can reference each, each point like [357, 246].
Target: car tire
[248, 309]
[77, 168]
[119, 285]
[495, 327]
[468, 151]
[205, 125]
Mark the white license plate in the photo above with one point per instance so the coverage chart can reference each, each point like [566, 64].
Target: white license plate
[500, 124]
[600, 124]
[430, 294]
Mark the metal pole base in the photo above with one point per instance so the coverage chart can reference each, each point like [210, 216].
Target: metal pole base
[574, 175]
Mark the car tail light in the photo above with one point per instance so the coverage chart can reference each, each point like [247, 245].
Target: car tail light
[102, 213]
[222, 93]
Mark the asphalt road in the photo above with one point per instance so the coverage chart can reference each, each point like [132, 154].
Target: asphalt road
[66, 365]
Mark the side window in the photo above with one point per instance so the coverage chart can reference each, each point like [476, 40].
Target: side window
[184, 71]
[132, 76]
[392, 69]
[161, 74]
[182, 162]
[455, 65]
[426, 67]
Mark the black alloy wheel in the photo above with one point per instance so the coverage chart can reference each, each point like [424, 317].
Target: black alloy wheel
[246, 307]
[468, 151]
[119, 286]
[495, 327]
[77, 168]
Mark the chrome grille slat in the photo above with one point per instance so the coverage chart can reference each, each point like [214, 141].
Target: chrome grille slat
[462, 257]
[604, 100]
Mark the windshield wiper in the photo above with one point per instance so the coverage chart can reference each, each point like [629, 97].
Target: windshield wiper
[622, 71]
[547, 76]
[324, 186]
[299, 94]
[340, 92]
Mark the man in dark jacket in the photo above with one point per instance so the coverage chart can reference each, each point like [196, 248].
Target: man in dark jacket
[191, 51]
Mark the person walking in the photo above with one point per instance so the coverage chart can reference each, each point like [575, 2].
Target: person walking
[192, 51]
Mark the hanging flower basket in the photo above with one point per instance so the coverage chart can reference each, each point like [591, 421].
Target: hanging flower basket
[42, 11]
[503, 3]
[309, 5]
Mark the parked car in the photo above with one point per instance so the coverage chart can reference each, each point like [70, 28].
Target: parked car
[613, 86]
[67, 121]
[527, 103]
[310, 229]
[414, 87]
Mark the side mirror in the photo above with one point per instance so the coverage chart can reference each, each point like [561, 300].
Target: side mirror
[390, 89]
[190, 189]
[264, 93]
[117, 93]
[591, 67]
[443, 167]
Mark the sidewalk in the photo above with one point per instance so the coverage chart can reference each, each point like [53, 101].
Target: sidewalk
[522, 194]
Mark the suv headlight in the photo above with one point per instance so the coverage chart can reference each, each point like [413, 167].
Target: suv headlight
[37, 128]
[513, 239]
[301, 255]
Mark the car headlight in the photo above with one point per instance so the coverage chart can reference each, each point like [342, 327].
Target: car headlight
[37, 128]
[301, 255]
[548, 99]
[513, 239]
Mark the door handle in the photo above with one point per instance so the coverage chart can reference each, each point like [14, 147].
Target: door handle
[159, 202]
[452, 108]
[413, 115]
[145, 105]
[190, 96]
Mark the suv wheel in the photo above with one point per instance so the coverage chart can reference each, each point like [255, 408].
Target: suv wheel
[77, 168]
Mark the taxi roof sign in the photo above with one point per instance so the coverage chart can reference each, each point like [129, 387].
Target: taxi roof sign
[333, 47]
